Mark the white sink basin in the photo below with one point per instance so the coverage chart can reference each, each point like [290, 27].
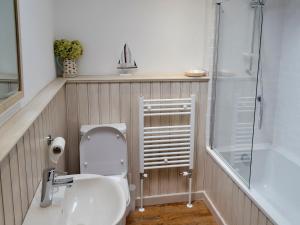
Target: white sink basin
[92, 200]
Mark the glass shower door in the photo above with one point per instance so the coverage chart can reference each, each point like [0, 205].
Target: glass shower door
[234, 88]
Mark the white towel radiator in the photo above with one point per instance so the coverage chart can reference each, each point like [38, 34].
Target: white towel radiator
[166, 146]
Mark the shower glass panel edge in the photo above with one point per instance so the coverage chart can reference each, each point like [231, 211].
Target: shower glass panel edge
[259, 92]
[214, 74]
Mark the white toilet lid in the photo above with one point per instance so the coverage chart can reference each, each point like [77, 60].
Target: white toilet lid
[103, 151]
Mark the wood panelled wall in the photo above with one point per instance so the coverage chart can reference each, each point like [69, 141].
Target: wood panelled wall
[21, 170]
[115, 102]
[232, 203]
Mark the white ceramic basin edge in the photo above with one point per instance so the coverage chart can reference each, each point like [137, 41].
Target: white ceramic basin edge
[92, 200]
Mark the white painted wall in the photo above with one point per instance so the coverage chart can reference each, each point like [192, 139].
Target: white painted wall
[37, 45]
[287, 119]
[37, 35]
[164, 36]
[270, 67]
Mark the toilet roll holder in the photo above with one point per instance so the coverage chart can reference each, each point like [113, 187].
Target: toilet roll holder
[49, 139]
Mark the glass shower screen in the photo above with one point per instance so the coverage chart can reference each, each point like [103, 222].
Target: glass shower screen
[234, 85]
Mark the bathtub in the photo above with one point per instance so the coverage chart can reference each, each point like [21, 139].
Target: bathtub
[274, 186]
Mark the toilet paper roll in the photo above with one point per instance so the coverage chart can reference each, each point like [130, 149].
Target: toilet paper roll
[57, 148]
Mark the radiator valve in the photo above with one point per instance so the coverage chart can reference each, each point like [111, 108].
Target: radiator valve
[143, 175]
[186, 173]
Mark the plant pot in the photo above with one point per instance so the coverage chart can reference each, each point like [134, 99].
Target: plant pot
[70, 68]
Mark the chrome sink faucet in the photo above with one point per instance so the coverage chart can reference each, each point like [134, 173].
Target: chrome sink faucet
[50, 180]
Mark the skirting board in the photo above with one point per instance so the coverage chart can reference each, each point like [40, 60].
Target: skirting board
[183, 197]
[170, 198]
[217, 215]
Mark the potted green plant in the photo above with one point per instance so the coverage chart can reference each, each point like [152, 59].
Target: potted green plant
[68, 52]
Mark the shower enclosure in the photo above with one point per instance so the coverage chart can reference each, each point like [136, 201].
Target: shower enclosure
[235, 83]
[255, 107]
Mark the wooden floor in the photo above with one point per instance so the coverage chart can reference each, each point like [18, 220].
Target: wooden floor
[173, 214]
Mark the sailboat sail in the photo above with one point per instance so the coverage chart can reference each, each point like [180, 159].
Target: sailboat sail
[126, 61]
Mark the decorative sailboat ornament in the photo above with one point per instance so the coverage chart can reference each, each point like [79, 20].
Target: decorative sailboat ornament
[126, 63]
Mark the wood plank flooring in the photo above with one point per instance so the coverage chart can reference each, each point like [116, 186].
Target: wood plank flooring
[173, 214]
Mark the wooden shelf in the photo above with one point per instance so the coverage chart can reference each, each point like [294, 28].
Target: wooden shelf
[134, 78]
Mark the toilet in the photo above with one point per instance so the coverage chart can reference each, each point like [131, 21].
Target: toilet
[103, 151]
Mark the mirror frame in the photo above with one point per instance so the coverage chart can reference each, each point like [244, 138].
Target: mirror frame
[11, 100]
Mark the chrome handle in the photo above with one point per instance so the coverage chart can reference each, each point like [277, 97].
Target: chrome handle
[60, 173]
[63, 182]
[48, 174]
[261, 111]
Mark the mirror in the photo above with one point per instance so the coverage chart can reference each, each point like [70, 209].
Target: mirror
[10, 61]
